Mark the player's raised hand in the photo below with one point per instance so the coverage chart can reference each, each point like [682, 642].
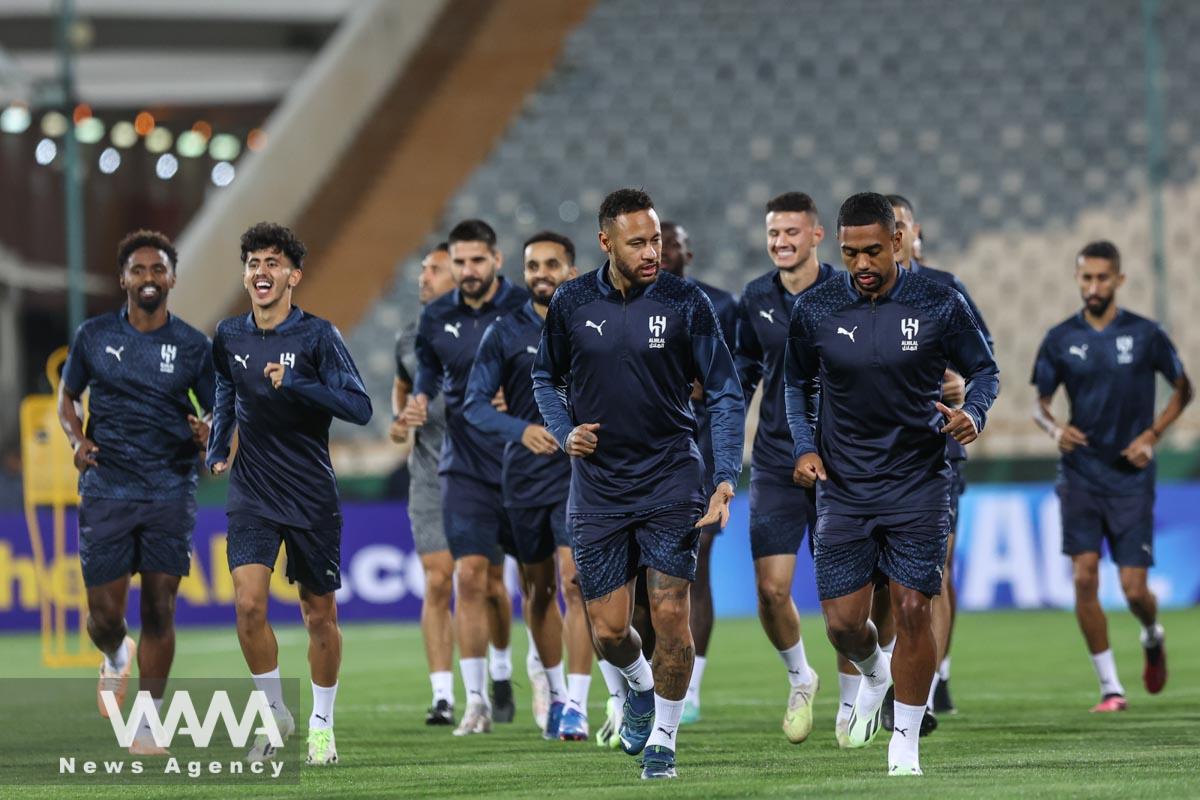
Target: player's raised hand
[275, 372]
[1140, 451]
[399, 430]
[499, 403]
[1069, 438]
[539, 441]
[200, 430]
[718, 506]
[85, 455]
[959, 424]
[219, 467]
[954, 388]
[808, 470]
[416, 411]
[582, 441]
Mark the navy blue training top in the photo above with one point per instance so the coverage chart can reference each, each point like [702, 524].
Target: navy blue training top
[505, 359]
[880, 364]
[282, 470]
[138, 404]
[725, 307]
[1109, 376]
[627, 362]
[448, 337]
[762, 334]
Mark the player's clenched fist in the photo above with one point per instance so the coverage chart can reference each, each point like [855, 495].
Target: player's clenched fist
[959, 424]
[274, 373]
[416, 411]
[539, 441]
[1069, 438]
[809, 469]
[582, 441]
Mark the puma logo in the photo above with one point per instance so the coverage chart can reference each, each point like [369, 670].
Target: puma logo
[243, 360]
[453, 328]
[1078, 350]
[870, 675]
[531, 350]
[666, 733]
[599, 328]
[768, 314]
[848, 333]
[116, 351]
[903, 732]
[323, 719]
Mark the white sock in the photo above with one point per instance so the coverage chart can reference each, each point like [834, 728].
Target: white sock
[269, 684]
[118, 659]
[875, 668]
[443, 686]
[473, 671]
[932, 688]
[322, 713]
[500, 663]
[558, 684]
[944, 669]
[639, 675]
[797, 665]
[1152, 635]
[906, 735]
[889, 647]
[144, 730]
[693, 691]
[1106, 671]
[847, 692]
[532, 658]
[666, 722]
[614, 681]
[578, 685]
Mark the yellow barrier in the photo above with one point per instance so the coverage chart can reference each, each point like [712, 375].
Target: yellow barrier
[51, 481]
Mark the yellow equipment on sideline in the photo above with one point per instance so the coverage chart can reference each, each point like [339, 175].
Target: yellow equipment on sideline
[51, 484]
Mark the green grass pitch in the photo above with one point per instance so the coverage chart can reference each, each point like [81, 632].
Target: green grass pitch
[1022, 682]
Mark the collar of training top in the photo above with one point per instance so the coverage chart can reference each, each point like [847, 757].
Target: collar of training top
[901, 277]
[503, 287]
[293, 317]
[611, 292]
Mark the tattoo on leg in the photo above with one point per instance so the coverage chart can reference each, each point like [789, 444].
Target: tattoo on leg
[675, 652]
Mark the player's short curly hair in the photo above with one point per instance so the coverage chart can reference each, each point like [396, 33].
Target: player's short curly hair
[867, 208]
[623, 201]
[793, 202]
[273, 236]
[557, 238]
[145, 238]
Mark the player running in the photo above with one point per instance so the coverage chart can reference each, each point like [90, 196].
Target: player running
[780, 511]
[282, 376]
[137, 465]
[535, 480]
[472, 501]
[879, 339]
[1107, 358]
[613, 379]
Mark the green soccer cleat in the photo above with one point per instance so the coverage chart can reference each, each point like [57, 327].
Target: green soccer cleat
[865, 722]
[797, 720]
[691, 713]
[322, 751]
[607, 735]
[905, 769]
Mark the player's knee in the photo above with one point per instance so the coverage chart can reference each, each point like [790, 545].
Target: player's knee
[772, 595]
[1136, 592]
[913, 613]
[105, 623]
[158, 617]
[251, 610]
[439, 585]
[320, 618]
[1087, 582]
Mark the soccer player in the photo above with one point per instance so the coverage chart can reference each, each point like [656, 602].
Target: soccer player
[1107, 358]
[879, 340]
[137, 464]
[613, 379]
[472, 501]
[425, 497]
[282, 376]
[780, 511]
[535, 480]
[677, 257]
[953, 389]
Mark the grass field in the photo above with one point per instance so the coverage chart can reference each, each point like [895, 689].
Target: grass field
[1022, 682]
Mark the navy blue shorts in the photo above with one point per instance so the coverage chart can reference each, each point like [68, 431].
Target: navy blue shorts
[610, 549]
[539, 530]
[474, 519]
[121, 537]
[779, 515]
[909, 548]
[1126, 522]
[313, 560]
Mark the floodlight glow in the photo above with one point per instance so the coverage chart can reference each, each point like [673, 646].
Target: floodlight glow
[166, 167]
[123, 134]
[223, 174]
[45, 152]
[159, 140]
[190, 144]
[110, 160]
[15, 119]
[89, 131]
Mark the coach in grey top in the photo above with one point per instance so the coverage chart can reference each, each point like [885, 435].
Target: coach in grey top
[424, 496]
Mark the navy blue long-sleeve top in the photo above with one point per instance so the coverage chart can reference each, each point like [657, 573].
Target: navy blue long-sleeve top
[880, 365]
[505, 360]
[725, 307]
[282, 471]
[627, 362]
[448, 337]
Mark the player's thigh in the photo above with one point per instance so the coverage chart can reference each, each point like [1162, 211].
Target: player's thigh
[914, 550]
[1082, 520]
[1129, 529]
[610, 613]
[251, 588]
[668, 541]
[107, 601]
[165, 537]
[314, 557]
[845, 556]
[317, 608]
[779, 516]
[605, 552]
[773, 577]
[428, 529]
[107, 540]
[532, 533]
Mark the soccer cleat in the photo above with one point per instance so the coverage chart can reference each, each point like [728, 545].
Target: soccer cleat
[553, 721]
[1110, 703]
[841, 731]
[574, 726]
[440, 713]
[263, 750]
[478, 719]
[503, 709]
[691, 712]
[117, 683]
[888, 717]
[929, 723]
[143, 745]
[865, 722]
[541, 688]
[607, 735]
[322, 751]
[942, 702]
[797, 720]
[1154, 675]
[637, 721]
[658, 763]
[905, 769]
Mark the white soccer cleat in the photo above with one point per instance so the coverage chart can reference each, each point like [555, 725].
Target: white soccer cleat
[867, 720]
[841, 731]
[478, 719]
[322, 750]
[905, 769]
[797, 720]
[263, 750]
[143, 745]
[541, 689]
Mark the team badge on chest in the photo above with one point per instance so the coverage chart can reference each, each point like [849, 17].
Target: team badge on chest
[168, 359]
[1124, 349]
[908, 329]
[658, 329]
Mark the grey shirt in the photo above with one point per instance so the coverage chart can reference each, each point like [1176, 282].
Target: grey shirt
[424, 493]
